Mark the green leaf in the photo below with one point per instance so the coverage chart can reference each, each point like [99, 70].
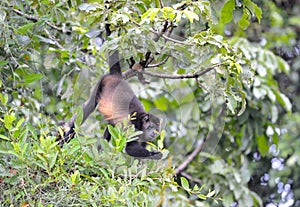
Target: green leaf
[231, 103]
[244, 22]
[79, 117]
[32, 130]
[4, 137]
[114, 133]
[90, 141]
[201, 196]
[46, 40]
[211, 193]
[262, 143]
[151, 13]
[4, 99]
[32, 78]
[185, 183]
[23, 29]
[8, 120]
[20, 122]
[121, 145]
[160, 103]
[283, 65]
[53, 160]
[254, 9]
[104, 145]
[191, 15]
[2, 63]
[227, 10]
[283, 100]
[160, 144]
[168, 13]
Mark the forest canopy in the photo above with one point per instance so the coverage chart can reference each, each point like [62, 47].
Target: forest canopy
[223, 76]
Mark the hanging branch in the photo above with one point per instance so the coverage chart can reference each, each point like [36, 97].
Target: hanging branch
[190, 158]
[201, 143]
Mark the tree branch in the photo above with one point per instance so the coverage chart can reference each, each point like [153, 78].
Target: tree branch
[35, 19]
[161, 4]
[159, 64]
[189, 177]
[182, 76]
[212, 134]
[53, 39]
[176, 41]
[190, 158]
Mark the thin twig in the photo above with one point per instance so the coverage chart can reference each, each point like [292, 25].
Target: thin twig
[176, 41]
[161, 4]
[155, 39]
[27, 16]
[171, 39]
[35, 19]
[53, 39]
[159, 64]
[183, 76]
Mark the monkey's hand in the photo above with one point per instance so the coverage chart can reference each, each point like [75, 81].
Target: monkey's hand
[154, 155]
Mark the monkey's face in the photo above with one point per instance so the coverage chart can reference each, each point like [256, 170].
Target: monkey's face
[150, 127]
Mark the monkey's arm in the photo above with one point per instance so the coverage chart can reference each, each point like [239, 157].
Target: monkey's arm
[138, 150]
[87, 108]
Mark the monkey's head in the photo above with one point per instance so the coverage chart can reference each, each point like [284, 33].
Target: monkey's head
[150, 127]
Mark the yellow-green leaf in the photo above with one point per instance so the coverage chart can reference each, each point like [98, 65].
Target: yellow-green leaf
[22, 30]
[226, 12]
[191, 15]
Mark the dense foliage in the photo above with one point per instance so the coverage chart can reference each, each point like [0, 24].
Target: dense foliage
[223, 76]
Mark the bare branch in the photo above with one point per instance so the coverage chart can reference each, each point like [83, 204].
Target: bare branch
[129, 73]
[189, 177]
[161, 4]
[166, 37]
[159, 64]
[212, 135]
[190, 158]
[27, 16]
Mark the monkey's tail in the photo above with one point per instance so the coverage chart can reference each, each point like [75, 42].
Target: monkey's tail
[113, 59]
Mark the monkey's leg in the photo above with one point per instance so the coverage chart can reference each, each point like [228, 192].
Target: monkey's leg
[106, 134]
[138, 150]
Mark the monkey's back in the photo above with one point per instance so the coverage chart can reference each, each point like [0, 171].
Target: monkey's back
[116, 99]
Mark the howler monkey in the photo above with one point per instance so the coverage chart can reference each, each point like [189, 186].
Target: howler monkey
[117, 102]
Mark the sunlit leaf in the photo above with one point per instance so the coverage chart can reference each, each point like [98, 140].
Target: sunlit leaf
[244, 22]
[191, 15]
[185, 183]
[226, 12]
[4, 137]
